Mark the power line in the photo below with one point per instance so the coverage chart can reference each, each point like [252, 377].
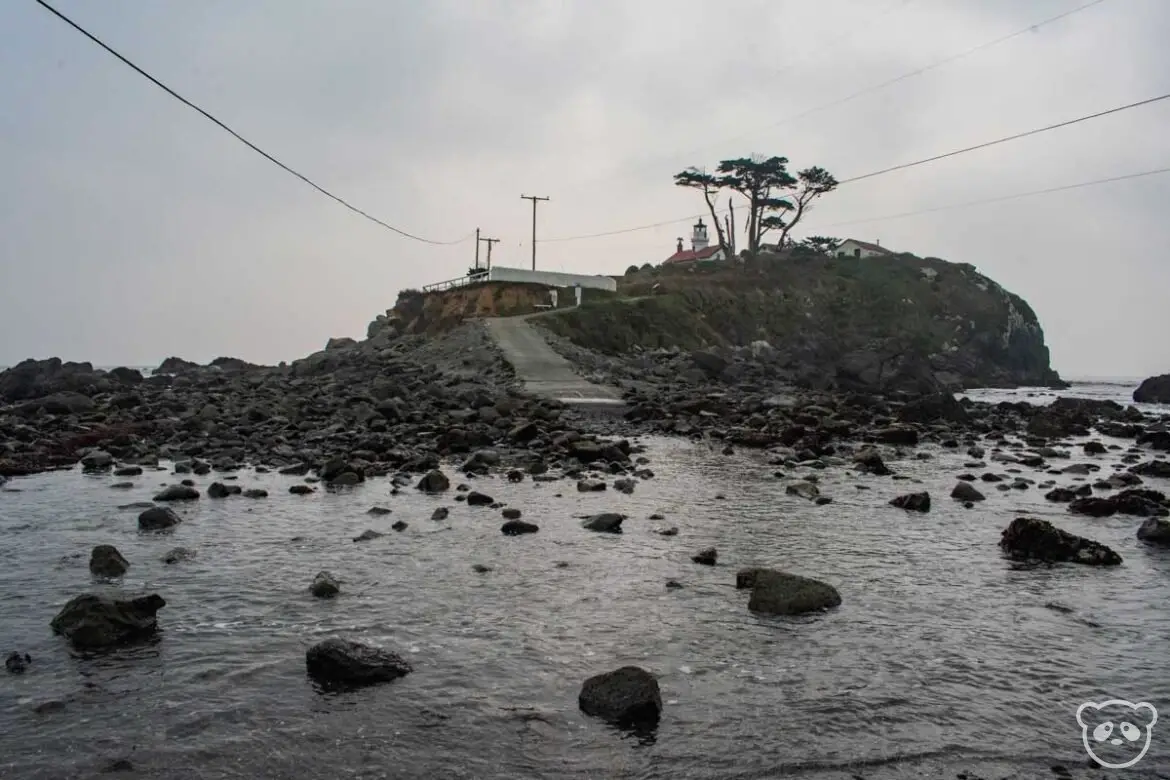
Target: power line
[1003, 198]
[239, 137]
[891, 82]
[903, 166]
[1005, 139]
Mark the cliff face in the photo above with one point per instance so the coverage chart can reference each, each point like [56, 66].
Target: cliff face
[897, 322]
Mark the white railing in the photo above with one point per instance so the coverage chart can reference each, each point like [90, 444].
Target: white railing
[451, 284]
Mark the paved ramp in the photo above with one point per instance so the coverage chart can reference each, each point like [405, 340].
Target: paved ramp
[541, 370]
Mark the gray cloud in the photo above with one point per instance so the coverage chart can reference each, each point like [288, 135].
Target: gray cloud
[132, 229]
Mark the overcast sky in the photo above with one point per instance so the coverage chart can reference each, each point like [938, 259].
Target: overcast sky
[132, 229]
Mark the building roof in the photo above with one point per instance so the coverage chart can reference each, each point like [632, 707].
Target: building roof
[690, 255]
[866, 245]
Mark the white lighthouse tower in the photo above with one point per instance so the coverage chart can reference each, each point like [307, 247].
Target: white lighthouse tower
[699, 236]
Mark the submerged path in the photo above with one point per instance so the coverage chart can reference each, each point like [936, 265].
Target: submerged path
[541, 370]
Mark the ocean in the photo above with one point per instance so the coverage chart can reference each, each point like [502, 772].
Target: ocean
[942, 658]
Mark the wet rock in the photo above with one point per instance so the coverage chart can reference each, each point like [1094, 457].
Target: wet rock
[902, 435]
[746, 578]
[1094, 448]
[511, 513]
[671, 531]
[368, 535]
[1060, 495]
[781, 593]
[300, 490]
[1155, 530]
[122, 486]
[128, 471]
[399, 525]
[480, 568]
[106, 561]
[158, 518]
[805, 490]
[92, 621]
[256, 493]
[377, 511]
[706, 557]
[590, 486]
[17, 663]
[625, 485]
[220, 490]
[475, 498]
[178, 555]
[1137, 503]
[324, 586]
[97, 461]
[1029, 539]
[177, 493]
[518, 527]
[673, 584]
[869, 460]
[625, 697]
[964, 491]
[1159, 469]
[442, 513]
[606, 522]
[434, 482]
[913, 502]
[346, 662]
[346, 479]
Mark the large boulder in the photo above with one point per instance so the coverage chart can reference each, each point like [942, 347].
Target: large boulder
[346, 662]
[913, 502]
[781, 593]
[106, 561]
[1029, 539]
[91, 621]
[1155, 390]
[1155, 530]
[625, 697]
[434, 481]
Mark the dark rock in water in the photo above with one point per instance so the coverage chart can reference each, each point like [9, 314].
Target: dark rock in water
[964, 491]
[1029, 539]
[346, 479]
[1154, 468]
[1094, 448]
[1156, 530]
[590, 486]
[671, 531]
[367, 535]
[869, 460]
[177, 493]
[300, 490]
[1093, 507]
[1155, 390]
[1137, 503]
[128, 471]
[781, 593]
[625, 485]
[399, 525]
[346, 662]
[377, 511]
[803, 489]
[706, 557]
[913, 502]
[255, 493]
[91, 621]
[158, 518]
[442, 513]
[626, 697]
[607, 522]
[220, 490]
[296, 470]
[1061, 495]
[106, 561]
[122, 486]
[899, 435]
[17, 663]
[517, 527]
[475, 498]
[673, 584]
[938, 407]
[178, 555]
[480, 568]
[324, 586]
[746, 578]
[434, 482]
[511, 513]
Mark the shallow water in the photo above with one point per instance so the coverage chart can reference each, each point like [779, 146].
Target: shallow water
[942, 656]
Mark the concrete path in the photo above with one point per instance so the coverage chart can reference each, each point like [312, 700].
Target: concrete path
[541, 370]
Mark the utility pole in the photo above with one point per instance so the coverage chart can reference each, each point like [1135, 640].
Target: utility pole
[477, 249]
[534, 199]
[489, 242]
